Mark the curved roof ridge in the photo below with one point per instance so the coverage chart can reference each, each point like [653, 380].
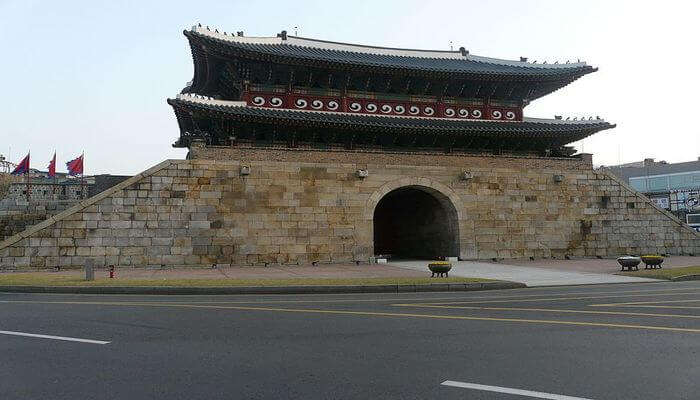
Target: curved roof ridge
[567, 121]
[375, 50]
[198, 98]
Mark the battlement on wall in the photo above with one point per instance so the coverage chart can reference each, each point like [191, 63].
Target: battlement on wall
[364, 157]
[203, 211]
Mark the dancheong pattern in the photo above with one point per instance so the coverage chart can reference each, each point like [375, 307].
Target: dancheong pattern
[435, 109]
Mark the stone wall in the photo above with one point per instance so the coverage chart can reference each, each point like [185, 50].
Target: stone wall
[302, 206]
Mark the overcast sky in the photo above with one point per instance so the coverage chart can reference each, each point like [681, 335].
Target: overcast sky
[93, 76]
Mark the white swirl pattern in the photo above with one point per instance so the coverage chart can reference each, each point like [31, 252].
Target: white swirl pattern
[386, 108]
[301, 103]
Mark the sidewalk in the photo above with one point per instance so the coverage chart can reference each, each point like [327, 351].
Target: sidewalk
[597, 265]
[273, 272]
[541, 272]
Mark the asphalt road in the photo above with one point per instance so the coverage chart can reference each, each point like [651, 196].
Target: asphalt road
[632, 341]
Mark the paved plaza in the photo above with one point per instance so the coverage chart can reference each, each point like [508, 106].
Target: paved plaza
[553, 275]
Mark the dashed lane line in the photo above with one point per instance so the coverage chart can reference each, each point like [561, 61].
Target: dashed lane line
[517, 392]
[63, 338]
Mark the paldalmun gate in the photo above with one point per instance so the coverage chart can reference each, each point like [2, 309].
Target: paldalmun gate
[304, 150]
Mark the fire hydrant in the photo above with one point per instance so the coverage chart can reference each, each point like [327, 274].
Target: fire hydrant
[111, 271]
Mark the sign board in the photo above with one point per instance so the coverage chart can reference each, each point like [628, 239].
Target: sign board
[662, 202]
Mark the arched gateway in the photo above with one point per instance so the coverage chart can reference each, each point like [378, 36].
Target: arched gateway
[415, 218]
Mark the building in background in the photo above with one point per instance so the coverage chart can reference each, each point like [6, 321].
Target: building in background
[673, 187]
[37, 186]
[29, 199]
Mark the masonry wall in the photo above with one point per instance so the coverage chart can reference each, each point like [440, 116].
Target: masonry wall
[296, 207]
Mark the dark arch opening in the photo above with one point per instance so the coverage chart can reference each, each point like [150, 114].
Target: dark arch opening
[416, 222]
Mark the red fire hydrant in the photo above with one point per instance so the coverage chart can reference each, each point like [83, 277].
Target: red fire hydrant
[111, 271]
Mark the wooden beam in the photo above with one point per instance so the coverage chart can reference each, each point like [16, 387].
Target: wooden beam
[461, 90]
[348, 77]
[444, 91]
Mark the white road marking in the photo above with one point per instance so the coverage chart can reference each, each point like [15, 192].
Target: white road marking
[520, 392]
[68, 339]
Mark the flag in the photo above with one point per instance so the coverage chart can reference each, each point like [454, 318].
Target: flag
[52, 166]
[22, 167]
[75, 166]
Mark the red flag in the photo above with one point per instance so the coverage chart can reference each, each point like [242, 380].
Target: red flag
[22, 167]
[75, 166]
[52, 166]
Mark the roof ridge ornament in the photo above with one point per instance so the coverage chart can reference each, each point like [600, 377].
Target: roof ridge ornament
[282, 35]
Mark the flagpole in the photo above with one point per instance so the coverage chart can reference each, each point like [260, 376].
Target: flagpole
[82, 174]
[26, 176]
[54, 175]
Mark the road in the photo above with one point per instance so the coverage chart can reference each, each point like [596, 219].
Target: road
[631, 341]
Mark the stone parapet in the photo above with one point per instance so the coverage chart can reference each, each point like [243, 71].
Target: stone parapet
[362, 157]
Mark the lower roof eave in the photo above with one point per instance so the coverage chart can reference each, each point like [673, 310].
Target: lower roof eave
[569, 131]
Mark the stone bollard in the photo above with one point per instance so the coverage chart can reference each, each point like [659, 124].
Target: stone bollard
[89, 269]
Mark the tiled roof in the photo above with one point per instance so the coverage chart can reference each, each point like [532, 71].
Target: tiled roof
[656, 168]
[454, 62]
[562, 131]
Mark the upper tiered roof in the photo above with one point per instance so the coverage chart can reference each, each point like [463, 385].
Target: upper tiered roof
[294, 91]
[305, 50]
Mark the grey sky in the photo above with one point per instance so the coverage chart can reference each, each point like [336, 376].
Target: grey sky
[94, 76]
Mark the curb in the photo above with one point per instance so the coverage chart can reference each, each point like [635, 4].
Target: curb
[693, 277]
[171, 290]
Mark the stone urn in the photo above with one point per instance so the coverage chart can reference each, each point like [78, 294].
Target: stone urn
[629, 262]
[652, 261]
[440, 268]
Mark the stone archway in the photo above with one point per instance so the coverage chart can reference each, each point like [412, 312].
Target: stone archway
[414, 218]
